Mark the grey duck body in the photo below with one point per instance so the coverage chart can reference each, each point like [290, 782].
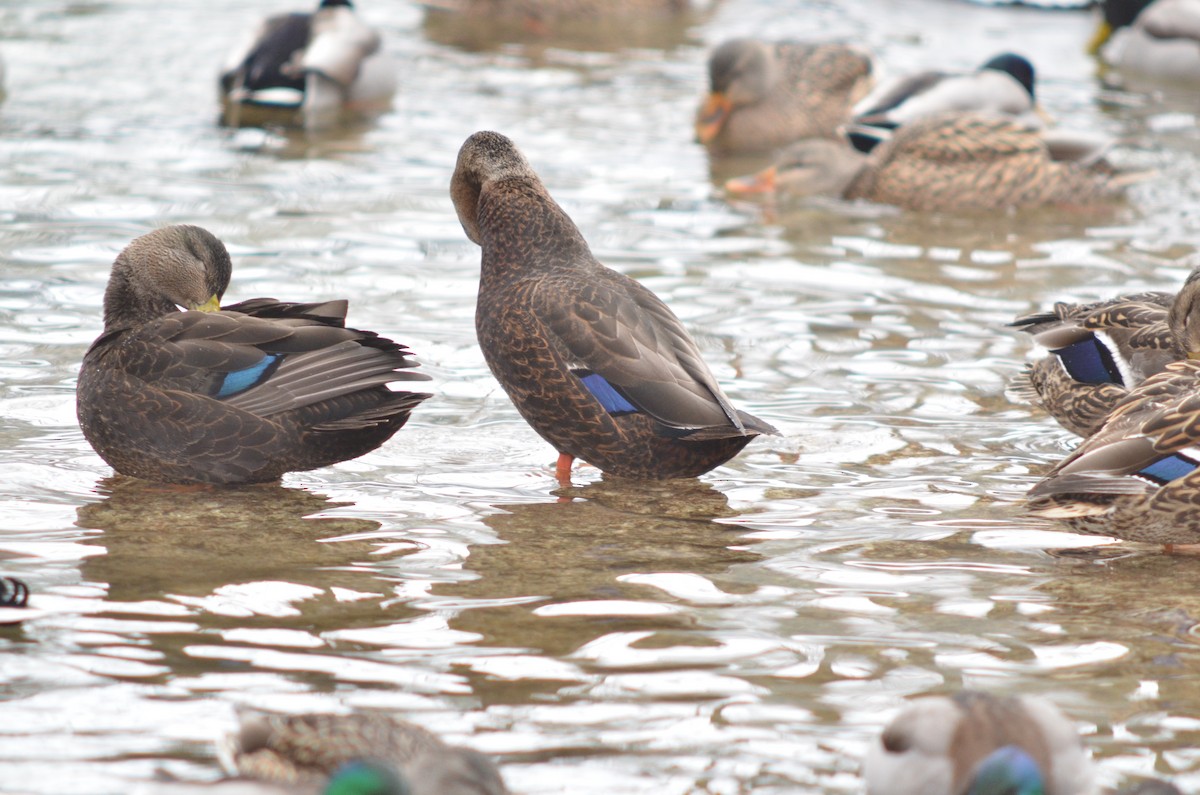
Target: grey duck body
[549, 314]
[240, 395]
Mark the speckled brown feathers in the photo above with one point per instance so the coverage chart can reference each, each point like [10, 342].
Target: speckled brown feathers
[549, 315]
[974, 162]
[304, 751]
[1134, 335]
[765, 95]
[1135, 478]
[242, 395]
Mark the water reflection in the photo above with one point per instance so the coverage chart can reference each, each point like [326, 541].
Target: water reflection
[575, 551]
[193, 541]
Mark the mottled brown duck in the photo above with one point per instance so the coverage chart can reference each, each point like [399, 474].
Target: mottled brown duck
[1097, 352]
[1135, 477]
[766, 95]
[949, 163]
[356, 754]
[180, 390]
[595, 362]
[313, 65]
[978, 743]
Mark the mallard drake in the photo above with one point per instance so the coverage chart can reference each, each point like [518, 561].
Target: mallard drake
[1003, 86]
[180, 390]
[316, 64]
[950, 162]
[767, 95]
[357, 754]
[1160, 38]
[595, 362]
[975, 742]
[1098, 351]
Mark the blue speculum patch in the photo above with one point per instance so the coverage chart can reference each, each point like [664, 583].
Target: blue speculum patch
[1007, 771]
[1089, 361]
[1164, 470]
[241, 380]
[612, 400]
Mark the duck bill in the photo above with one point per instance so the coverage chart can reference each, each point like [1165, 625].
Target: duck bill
[754, 185]
[1102, 34]
[1044, 115]
[712, 116]
[213, 304]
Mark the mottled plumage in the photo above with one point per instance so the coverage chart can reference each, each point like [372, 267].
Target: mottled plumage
[976, 742]
[1156, 39]
[950, 162]
[339, 753]
[239, 395]
[1003, 86]
[1135, 477]
[766, 95]
[595, 362]
[316, 63]
[1097, 352]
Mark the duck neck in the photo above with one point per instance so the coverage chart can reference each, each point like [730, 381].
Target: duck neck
[521, 229]
[126, 307]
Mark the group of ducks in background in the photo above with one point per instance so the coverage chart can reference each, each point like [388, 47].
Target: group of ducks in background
[180, 389]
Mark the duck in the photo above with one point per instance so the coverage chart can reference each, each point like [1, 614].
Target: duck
[352, 754]
[313, 64]
[1135, 477]
[596, 363]
[179, 389]
[972, 742]
[1003, 85]
[1155, 38]
[1098, 351]
[764, 95]
[953, 162]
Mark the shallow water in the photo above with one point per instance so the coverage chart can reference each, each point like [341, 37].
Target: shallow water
[747, 632]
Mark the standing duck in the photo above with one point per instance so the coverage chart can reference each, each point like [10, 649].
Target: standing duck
[1098, 351]
[357, 754]
[950, 162]
[1158, 38]
[180, 390]
[1003, 86]
[975, 743]
[316, 64]
[767, 95]
[595, 362]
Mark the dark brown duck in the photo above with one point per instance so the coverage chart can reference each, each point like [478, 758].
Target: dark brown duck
[595, 362]
[180, 390]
